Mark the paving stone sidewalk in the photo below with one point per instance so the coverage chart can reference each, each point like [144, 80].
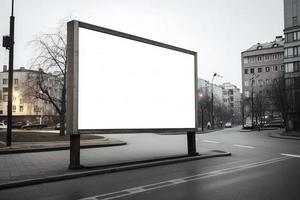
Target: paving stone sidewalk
[23, 166]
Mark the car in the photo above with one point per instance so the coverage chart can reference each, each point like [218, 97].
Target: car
[2, 125]
[228, 125]
[34, 126]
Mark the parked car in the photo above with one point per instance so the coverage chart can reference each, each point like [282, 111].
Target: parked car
[2, 125]
[18, 125]
[34, 126]
[228, 125]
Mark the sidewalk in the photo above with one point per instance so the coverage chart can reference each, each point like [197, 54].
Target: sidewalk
[20, 167]
[26, 147]
[283, 135]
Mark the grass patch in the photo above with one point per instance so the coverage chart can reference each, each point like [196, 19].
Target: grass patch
[42, 137]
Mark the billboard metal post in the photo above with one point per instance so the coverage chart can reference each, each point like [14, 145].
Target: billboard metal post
[72, 94]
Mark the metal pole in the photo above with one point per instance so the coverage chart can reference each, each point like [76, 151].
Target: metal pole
[202, 125]
[212, 104]
[252, 104]
[10, 76]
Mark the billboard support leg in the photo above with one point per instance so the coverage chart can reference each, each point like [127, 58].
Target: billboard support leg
[191, 144]
[74, 151]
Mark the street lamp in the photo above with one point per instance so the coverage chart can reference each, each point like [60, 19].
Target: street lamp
[212, 99]
[8, 43]
[200, 95]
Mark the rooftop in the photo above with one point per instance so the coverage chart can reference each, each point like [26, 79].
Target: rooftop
[278, 42]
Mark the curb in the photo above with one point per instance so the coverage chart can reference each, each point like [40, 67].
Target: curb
[132, 166]
[274, 135]
[32, 150]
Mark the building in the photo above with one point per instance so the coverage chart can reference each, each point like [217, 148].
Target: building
[26, 109]
[292, 60]
[262, 64]
[227, 101]
[232, 101]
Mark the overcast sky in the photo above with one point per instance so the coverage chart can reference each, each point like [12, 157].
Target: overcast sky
[219, 30]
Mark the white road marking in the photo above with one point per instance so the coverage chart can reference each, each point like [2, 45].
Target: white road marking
[244, 146]
[290, 155]
[177, 181]
[211, 141]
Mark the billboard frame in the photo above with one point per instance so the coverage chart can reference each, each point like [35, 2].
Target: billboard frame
[72, 88]
[72, 78]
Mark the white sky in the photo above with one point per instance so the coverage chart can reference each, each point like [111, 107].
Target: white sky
[217, 29]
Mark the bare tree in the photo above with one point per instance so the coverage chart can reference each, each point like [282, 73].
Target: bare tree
[49, 67]
[281, 97]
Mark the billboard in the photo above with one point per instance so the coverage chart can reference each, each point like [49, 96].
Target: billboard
[119, 82]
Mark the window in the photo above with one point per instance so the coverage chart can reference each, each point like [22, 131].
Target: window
[245, 60]
[5, 89]
[259, 58]
[289, 67]
[21, 101]
[247, 94]
[289, 37]
[230, 92]
[231, 98]
[36, 108]
[267, 69]
[16, 81]
[1, 112]
[252, 70]
[296, 66]
[268, 82]
[259, 70]
[282, 67]
[295, 21]
[275, 68]
[246, 71]
[289, 52]
[295, 49]
[5, 97]
[295, 36]
[14, 108]
[21, 108]
[253, 82]
[246, 83]
[4, 81]
[260, 82]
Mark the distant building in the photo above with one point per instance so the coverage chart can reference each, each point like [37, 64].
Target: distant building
[292, 59]
[232, 101]
[262, 64]
[25, 109]
[226, 97]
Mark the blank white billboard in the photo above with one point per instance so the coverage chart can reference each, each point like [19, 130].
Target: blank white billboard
[126, 84]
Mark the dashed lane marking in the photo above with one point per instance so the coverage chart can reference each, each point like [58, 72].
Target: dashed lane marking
[177, 181]
[290, 155]
[211, 141]
[244, 146]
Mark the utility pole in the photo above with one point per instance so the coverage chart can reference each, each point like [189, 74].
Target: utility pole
[10, 75]
[212, 100]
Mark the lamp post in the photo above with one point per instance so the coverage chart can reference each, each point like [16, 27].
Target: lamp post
[212, 99]
[200, 95]
[8, 43]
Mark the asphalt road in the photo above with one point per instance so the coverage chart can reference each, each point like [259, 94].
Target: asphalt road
[260, 167]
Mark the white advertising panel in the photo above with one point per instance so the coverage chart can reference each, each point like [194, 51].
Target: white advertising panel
[127, 84]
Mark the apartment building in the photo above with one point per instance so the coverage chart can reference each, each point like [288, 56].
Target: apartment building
[26, 109]
[262, 64]
[292, 60]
